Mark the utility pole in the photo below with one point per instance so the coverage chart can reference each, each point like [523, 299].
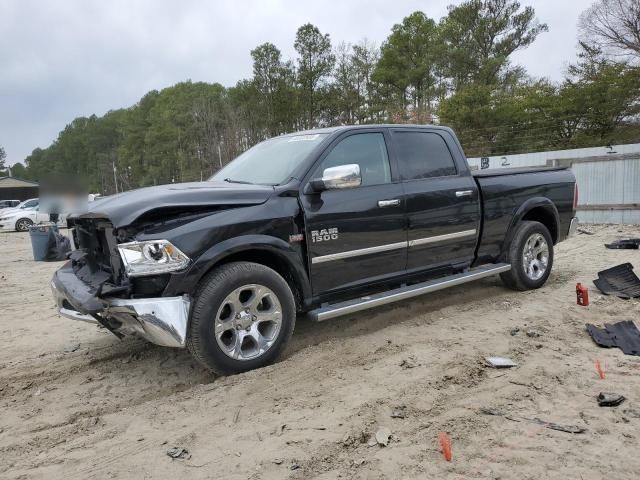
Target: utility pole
[115, 178]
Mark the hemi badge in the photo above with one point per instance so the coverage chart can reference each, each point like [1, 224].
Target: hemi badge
[298, 237]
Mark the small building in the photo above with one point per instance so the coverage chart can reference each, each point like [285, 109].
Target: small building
[12, 188]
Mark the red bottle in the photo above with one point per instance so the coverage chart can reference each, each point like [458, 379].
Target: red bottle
[582, 294]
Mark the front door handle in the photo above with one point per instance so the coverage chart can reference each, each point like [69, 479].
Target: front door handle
[389, 203]
[464, 193]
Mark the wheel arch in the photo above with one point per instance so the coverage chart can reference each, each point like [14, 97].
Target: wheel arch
[269, 251]
[537, 209]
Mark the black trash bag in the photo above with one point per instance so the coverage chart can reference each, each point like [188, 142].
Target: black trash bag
[59, 247]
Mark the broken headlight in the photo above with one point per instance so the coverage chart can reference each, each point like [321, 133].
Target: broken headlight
[151, 257]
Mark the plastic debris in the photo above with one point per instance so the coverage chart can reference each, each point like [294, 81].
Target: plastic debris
[544, 423]
[619, 281]
[582, 295]
[500, 362]
[610, 399]
[625, 244]
[383, 435]
[445, 446]
[178, 453]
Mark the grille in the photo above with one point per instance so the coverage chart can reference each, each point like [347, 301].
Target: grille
[96, 239]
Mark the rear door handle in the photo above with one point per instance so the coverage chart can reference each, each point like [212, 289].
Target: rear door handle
[464, 193]
[389, 203]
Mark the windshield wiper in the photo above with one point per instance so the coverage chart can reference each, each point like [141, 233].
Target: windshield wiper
[231, 180]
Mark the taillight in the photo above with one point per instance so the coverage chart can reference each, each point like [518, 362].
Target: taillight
[575, 196]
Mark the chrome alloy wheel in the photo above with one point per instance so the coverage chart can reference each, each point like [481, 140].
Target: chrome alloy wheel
[535, 256]
[248, 322]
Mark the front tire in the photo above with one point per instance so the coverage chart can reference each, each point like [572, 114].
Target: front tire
[23, 224]
[242, 318]
[530, 255]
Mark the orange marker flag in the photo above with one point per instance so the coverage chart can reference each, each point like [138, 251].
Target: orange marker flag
[445, 446]
[599, 369]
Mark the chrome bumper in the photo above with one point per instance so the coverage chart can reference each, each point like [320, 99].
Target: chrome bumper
[162, 320]
[573, 226]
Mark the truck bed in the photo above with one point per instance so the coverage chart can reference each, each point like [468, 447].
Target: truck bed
[507, 192]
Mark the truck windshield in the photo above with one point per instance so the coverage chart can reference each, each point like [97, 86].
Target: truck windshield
[271, 162]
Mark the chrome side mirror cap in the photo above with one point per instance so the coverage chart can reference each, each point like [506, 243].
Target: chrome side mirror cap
[342, 176]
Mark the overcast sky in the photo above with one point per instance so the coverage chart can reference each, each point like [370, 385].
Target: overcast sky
[61, 60]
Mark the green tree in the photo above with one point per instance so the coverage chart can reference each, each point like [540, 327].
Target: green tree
[409, 60]
[481, 35]
[275, 83]
[18, 170]
[315, 63]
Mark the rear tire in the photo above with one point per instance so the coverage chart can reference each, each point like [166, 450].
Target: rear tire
[242, 318]
[530, 255]
[23, 224]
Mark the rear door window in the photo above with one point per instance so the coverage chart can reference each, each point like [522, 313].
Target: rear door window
[423, 155]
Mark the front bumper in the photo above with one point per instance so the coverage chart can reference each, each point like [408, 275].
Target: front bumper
[162, 320]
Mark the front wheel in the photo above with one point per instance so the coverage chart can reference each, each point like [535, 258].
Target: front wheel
[530, 255]
[242, 318]
[23, 224]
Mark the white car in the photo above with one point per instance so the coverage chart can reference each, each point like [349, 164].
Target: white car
[26, 205]
[20, 219]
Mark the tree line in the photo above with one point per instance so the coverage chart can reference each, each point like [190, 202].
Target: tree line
[456, 71]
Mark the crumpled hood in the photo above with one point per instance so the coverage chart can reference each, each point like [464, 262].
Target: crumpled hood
[124, 208]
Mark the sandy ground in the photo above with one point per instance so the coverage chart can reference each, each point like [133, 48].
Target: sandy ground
[77, 403]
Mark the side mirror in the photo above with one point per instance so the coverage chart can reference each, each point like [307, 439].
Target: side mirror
[342, 176]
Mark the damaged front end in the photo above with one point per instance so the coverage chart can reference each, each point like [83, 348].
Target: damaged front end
[101, 282]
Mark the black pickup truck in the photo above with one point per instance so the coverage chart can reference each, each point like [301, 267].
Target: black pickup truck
[327, 222]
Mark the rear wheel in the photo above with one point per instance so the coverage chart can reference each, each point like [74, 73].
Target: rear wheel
[242, 318]
[23, 224]
[530, 255]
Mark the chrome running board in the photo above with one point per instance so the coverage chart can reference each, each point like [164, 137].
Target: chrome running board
[403, 293]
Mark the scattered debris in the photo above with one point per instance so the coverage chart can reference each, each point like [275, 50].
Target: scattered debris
[582, 295]
[500, 362]
[544, 423]
[383, 435]
[623, 335]
[600, 369]
[294, 466]
[399, 412]
[280, 429]
[179, 453]
[71, 348]
[514, 331]
[409, 362]
[556, 426]
[585, 232]
[445, 446]
[278, 461]
[625, 244]
[353, 439]
[236, 416]
[610, 399]
[619, 281]
[359, 462]
[532, 334]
